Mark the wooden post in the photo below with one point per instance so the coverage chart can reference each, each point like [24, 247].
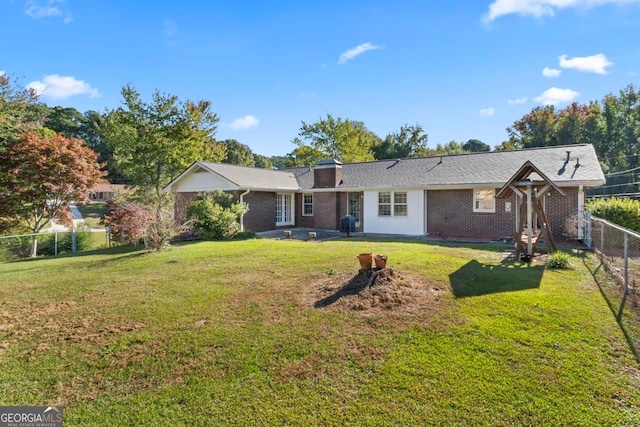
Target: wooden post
[529, 222]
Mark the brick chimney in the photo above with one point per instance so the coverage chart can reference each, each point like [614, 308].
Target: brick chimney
[327, 174]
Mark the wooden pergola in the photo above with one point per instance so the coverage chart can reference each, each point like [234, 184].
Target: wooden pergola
[530, 185]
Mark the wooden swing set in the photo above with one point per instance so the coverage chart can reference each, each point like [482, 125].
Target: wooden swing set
[531, 186]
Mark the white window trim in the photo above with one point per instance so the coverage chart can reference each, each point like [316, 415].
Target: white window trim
[392, 205]
[493, 209]
[303, 204]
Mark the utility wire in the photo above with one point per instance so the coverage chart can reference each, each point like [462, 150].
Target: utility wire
[621, 172]
[614, 195]
[616, 185]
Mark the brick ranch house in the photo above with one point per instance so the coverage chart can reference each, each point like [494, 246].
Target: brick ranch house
[451, 196]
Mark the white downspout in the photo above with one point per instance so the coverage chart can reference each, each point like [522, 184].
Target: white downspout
[242, 216]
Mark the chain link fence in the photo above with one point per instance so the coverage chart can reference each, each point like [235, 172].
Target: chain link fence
[618, 273]
[19, 246]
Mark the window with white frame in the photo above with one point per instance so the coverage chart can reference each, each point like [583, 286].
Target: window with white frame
[384, 204]
[400, 203]
[484, 200]
[307, 204]
[392, 203]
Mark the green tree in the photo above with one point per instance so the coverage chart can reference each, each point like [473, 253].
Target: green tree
[262, 162]
[65, 121]
[450, 148]
[342, 139]
[506, 146]
[278, 162]
[17, 112]
[536, 129]
[155, 141]
[238, 154]
[475, 145]
[303, 155]
[407, 142]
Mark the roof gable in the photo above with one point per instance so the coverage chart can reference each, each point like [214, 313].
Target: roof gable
[206, 176]
[527, 170]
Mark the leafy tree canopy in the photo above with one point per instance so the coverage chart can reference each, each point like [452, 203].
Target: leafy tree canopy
[238, 154]
[342, 139]
[154, 141]
[475, 145]
[409, 141]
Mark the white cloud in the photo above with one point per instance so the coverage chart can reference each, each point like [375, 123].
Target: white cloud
[2, 72]
[62, 87]
[36, 11]
[517, 101]
[245, 122]
[45, 9]
[540, 8]
[555, 96]
[591, 64]
[352, 53]
[551, 72]
[488, 112]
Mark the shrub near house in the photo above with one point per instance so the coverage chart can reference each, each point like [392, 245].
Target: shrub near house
[215, 216]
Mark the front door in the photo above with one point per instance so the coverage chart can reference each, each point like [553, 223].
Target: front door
[355, 208]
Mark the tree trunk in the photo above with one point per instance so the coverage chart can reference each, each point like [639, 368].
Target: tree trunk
[34, 246]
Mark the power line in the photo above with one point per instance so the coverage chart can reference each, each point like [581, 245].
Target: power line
[593, 196]
[621, 172]
[616, 185]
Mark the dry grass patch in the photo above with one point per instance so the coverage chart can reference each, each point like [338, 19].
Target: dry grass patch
[376, 292]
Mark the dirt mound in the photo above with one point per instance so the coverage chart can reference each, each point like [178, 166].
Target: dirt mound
[372, 291]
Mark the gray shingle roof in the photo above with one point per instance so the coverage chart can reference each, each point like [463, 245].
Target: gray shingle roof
[246, 177]
[487, 168]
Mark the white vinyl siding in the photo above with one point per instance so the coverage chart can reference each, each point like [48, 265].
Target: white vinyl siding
[411, 224]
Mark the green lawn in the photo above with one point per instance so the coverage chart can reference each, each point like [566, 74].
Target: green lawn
[92, 213]
[227, 334]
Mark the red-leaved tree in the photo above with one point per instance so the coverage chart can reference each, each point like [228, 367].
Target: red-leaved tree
[45, 175]
[128, 221]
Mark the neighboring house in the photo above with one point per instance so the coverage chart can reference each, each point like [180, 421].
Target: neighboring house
[451, 196]
[105, 192]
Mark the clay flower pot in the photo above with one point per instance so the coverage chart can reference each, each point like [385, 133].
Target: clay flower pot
[365, 261]
[381, 261]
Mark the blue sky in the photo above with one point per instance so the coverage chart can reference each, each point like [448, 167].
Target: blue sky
[461, 69]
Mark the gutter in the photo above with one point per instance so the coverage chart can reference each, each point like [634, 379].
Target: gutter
[242, 216]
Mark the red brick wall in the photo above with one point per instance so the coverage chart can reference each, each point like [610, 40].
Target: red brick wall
[561, 213]
[262, 211]
[180, 205]
[327, 177]
[301, 220]
[327, 210]
[450, 213]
